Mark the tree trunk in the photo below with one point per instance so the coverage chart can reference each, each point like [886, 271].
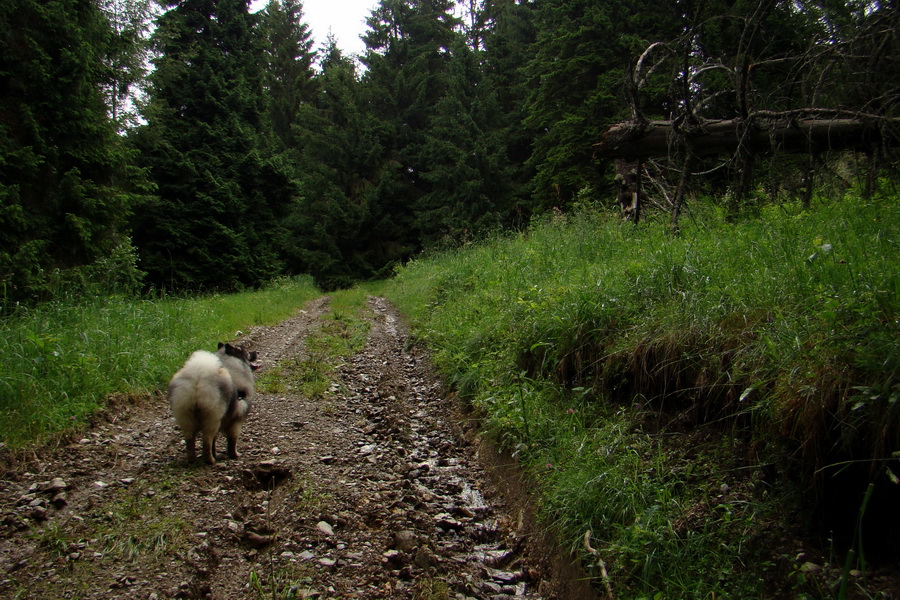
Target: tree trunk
[628, 178]
[660, 138]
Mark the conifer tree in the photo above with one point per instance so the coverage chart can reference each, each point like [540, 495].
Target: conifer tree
[63, 170]
[577, 76]
[289, 73]
[215, 223]
[465, 155]
[509, 35]
[408, 49]
[325, 238]
[127, 61]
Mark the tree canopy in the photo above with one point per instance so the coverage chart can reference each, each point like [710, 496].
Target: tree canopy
[244, 153]
[65, 182]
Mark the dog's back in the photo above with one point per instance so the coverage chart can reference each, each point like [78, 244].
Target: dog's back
[201, 394]
[238, 362]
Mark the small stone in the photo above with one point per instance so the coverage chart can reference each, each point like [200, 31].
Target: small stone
[256, 540]
[367, 449]
[56, 484]
[445, 521]
[327, 460]
[100, 485]
[59, 500]
[325, 528]
[392, 558]
[490, 587]
[327, 562]
[503, 576]
[424, 558]
[306, 555]
[405, 541]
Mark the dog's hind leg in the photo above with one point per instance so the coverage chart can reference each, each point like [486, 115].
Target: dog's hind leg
[210, 430]
[231, 434]
[190, 445]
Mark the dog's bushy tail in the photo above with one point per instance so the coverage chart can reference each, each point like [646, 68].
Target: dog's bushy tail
[199, 394]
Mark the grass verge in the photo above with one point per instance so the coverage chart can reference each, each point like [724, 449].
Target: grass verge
[689, 402]
[60, 361]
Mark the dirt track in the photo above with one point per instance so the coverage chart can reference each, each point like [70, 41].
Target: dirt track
[380, 490]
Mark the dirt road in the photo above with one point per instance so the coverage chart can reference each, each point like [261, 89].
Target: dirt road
[378, 490]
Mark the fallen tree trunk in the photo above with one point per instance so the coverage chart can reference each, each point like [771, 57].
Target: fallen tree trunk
[758, 135]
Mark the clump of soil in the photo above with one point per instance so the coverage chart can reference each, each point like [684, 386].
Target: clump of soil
[378, 490]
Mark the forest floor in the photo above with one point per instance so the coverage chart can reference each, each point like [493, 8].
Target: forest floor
[381, 489]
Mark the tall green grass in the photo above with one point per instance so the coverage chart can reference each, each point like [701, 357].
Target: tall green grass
[590, 345]
[60, 361]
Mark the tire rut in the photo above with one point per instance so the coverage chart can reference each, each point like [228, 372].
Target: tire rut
[371, 492]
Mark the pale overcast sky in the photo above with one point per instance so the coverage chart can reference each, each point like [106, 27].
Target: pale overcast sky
[346, 19]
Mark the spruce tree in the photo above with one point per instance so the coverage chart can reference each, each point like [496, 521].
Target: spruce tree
[408, 50]
[509, 35]
[325, 238]
[582, 54]
[289, 73]
[465, 155]
[221, 194]
[127, 68]
[63, 170]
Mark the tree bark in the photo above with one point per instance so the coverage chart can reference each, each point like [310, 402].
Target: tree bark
[628, 178]
[761, 135]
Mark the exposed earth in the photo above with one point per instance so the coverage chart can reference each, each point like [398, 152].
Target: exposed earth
[380, 489]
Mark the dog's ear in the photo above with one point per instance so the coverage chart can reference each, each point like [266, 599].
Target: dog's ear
[253, 356]
[220, 345]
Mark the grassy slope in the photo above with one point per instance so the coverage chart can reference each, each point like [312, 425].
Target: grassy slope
[60, 361]
[662, 390]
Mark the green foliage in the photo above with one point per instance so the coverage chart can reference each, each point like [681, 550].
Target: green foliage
[65, 178]
[580, 59]
[588, 344]
[325, 237]
[289, 75]
[465, 157]
[127, 59]
[407, 57]
[63, 359]
[221, 193]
